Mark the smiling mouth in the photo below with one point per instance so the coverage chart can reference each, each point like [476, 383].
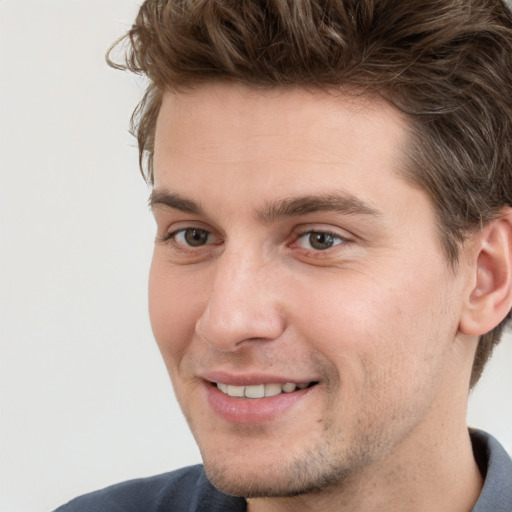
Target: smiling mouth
[260, 390]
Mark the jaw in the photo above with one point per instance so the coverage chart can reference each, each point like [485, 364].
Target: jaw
[255, 449]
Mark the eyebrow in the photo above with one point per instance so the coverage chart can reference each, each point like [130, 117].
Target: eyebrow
[161, 197]
[345, 204]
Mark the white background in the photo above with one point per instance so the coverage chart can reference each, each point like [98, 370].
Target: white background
[85, 399]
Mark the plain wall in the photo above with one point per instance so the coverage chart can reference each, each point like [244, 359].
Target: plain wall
[85, 398]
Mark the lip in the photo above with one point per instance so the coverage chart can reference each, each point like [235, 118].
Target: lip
[251, 379]
[249, 411]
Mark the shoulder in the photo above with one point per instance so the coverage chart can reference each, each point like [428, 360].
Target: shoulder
[496, 466]
[185, 490]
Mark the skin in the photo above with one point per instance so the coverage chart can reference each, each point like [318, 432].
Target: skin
[374, 318]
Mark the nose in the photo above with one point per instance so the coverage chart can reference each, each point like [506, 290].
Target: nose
[243, 304]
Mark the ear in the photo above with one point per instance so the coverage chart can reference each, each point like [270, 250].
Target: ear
[490, 297]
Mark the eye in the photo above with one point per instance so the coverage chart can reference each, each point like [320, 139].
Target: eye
[192, 237]
[318, 240]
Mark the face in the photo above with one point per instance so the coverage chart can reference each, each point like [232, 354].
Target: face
[298, 292]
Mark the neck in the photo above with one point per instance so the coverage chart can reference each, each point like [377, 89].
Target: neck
[440, 476]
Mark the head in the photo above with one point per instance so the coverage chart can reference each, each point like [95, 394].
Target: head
[445, 64]
[330, 181]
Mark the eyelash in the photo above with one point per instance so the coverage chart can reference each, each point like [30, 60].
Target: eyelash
[323, 233]
[183, 247]
[171, 237]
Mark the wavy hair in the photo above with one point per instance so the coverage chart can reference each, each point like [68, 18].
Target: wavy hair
[446, 64]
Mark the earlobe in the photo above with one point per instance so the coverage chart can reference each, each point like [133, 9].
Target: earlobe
[490, 297]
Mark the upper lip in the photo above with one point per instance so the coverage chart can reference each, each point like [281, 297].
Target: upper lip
[251, 379]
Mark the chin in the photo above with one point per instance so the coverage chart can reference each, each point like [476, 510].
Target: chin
[280, 479]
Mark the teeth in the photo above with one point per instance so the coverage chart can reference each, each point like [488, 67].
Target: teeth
[273, 389]
[260, 390]
[222, 387]
[255, 391]
[289, 387]
[236, 391]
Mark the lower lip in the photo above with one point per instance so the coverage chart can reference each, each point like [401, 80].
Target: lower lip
[252, 410]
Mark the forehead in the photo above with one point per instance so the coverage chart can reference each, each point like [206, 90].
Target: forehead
[276, 142]
[286, 122]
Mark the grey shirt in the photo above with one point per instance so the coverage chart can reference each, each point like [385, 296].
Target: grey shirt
[496, 467]
[189, 490]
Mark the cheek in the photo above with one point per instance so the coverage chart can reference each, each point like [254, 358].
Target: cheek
[377, 329]
[174, 307]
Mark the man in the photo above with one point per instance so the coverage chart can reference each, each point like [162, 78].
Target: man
[333, 262]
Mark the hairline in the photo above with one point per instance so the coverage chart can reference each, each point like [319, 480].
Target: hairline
[407, 168]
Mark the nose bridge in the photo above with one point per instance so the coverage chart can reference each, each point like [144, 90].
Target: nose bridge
[242, 303]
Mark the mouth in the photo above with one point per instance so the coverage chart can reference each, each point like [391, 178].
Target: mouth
[254, 400]
[261, 390]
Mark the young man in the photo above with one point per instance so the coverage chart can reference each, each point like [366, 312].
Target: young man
[332, 186]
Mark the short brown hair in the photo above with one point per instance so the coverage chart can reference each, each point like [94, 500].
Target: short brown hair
[447, 64]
